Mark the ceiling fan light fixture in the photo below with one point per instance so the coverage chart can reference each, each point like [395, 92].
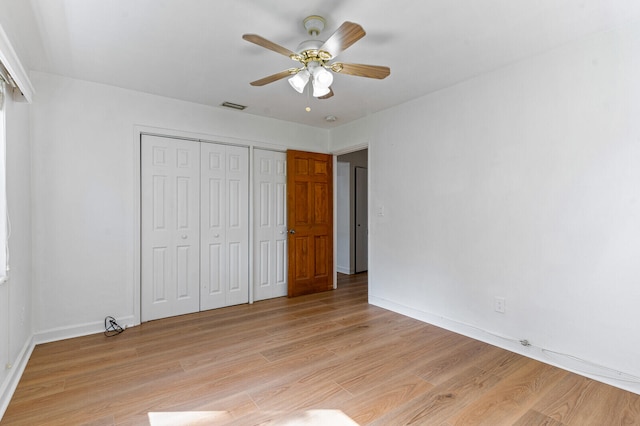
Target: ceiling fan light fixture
[319, 91]
[322, 77]
[299, 81]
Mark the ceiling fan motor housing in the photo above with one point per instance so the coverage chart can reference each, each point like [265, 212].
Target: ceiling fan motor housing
[309, 51]
[309, 45]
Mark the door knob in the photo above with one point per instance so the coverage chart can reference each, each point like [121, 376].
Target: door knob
[184, 237]
[292, 231]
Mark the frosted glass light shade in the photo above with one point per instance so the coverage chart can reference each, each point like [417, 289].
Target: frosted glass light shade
[299, 81]
[322, 77]
[319, 90]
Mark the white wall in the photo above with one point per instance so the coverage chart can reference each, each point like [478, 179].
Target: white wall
[85, 186]
[522, 183]
[15, 294]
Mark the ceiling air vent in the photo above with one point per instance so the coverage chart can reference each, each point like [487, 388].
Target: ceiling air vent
[233, 106]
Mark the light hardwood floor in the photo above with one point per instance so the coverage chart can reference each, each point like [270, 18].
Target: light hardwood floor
[328, 358]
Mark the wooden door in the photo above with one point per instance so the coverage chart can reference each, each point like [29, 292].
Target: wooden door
[310, 219]
[224, 249]
[170, 228]
[270, 224]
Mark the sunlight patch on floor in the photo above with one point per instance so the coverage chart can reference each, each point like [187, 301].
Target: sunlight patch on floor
[316, 417]
[176, 418]
[308, 417]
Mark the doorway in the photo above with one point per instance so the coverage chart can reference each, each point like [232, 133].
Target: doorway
[352, 212]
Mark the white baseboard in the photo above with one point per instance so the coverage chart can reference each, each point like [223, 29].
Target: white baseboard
[344, 270]
[15, 374]
[70, 332]
[566, 362]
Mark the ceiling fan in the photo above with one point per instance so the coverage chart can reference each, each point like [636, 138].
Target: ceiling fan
[314, 57]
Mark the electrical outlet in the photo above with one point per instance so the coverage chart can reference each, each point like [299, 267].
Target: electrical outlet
[499, 304]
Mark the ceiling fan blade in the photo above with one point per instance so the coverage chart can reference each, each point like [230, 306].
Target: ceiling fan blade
[261, 41]
[274, 77]
[360, 70]
[345, 36]
[328, 95]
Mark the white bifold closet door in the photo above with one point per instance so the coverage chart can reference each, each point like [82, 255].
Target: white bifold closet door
[270, 224]
[170, 227]
[224, 248]
[194, 226]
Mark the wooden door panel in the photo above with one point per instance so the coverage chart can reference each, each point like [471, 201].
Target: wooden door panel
[321, 204]
[302, 204]
[321, 261]
[320, 168]
[310, 217]
[302, 166]
[301, 253]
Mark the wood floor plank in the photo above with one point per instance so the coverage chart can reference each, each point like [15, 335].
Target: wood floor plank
[386, 396]
[470, 353]
[571, 400]
[511, 398]
[442, 401]
[330, 358]
[585, 401]
[535, 418]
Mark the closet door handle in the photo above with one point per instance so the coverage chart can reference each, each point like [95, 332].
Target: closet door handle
[292, 231]
[183, 236]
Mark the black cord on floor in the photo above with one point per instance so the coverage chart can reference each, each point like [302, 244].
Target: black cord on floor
[111, 327]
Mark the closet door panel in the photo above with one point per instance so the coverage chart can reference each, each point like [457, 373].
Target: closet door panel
[170, 226]
[224, 236]
[270, 235]
[280, 231]
[213, 230]
[237, 213]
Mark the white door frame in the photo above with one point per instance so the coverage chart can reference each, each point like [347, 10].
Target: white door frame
[336, 153]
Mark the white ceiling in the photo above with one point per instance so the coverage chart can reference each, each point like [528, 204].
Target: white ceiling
[193, 49]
